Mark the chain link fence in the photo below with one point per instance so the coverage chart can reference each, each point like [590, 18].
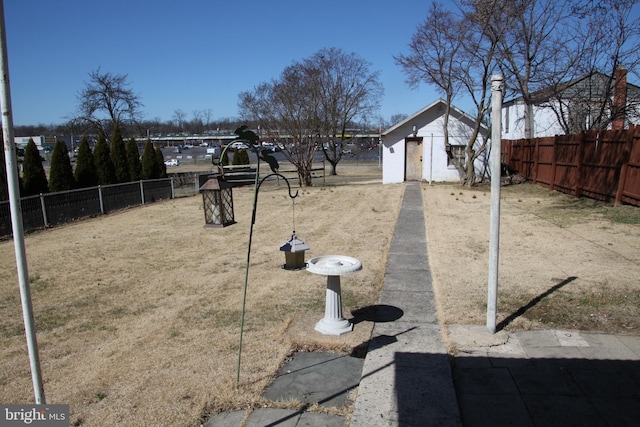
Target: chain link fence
[50, 209]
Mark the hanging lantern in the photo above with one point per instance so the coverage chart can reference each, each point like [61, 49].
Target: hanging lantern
[217, 199]
[294, 250]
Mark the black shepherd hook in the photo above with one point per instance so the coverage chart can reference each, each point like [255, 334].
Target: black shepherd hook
[273, 164]
[255, 204]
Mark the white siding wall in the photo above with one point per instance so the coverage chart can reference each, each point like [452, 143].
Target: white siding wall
[545, 122]
[393, 162]
[434, 157]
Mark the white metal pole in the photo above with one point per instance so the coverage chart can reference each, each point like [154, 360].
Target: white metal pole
[16, 215]
[431, 161]
[494, 237]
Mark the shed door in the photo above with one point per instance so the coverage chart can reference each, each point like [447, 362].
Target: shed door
[413, 160]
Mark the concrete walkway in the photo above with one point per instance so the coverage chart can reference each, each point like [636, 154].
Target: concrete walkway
[406, 378]
[528, 378]
[546, 378]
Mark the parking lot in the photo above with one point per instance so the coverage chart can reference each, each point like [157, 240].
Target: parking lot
[195, 154]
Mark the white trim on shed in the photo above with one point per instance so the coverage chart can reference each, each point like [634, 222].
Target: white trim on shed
[425, 129]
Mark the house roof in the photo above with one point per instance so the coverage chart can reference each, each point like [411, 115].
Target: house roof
[437, 103]
[594, 84]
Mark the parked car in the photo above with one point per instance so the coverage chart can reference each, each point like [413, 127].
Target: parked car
[213, 152]
[239, 146]
[270, 146]
[172, 162]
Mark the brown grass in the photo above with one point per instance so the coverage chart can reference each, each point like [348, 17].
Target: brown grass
[138, 312]
[564, 262]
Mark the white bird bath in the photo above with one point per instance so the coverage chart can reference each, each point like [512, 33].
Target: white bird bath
[333, 266]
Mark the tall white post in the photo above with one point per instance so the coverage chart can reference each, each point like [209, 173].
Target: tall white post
[494, 234]
[16, 214]
[431, 161]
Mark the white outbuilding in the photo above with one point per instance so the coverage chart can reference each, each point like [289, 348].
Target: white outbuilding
[414, 149]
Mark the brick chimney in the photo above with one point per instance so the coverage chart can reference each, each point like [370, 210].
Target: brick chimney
[619, 98]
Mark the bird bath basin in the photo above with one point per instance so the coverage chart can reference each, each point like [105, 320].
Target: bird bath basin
[333, 266]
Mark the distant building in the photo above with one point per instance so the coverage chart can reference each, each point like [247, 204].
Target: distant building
[41, 141]
[414, 149]
[589, 102]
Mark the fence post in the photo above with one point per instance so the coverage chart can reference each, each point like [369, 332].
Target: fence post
[173, 195]
[506, 152]
[554, 163]
[45, 219]
[141, 192]
[622, 180]
[579, 160]
[101, 201]
[536, 154]
[324, 172]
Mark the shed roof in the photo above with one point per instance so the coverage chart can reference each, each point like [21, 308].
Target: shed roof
[437, 103]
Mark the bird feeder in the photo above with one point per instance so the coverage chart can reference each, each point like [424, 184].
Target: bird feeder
[294, 250]
[217, 198]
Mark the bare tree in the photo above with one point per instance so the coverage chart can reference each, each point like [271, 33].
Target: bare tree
[346, 92]
[179, 117]
[433, 51]
[107, 101]
[535, 46]
[457, 55]
[396, 118]
[474, 67]
[313, 102]
[606, 47]
[207, 116]
[286, 117]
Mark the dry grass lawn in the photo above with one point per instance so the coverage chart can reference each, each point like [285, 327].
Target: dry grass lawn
[564, 262]
[138, 312]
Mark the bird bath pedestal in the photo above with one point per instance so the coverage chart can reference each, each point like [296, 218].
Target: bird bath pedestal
[333, 266]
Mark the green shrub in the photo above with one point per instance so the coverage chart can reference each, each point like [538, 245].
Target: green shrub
[85, 172]
[149, 167]
[240, 157]
[160, 163]
[102, 161]
[119, 156]
[133, 160]
[33, 175]
[61, 173]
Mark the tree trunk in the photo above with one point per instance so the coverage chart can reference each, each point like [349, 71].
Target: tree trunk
[528, 120]
[304, 177]
[470, 175]
[334, 166]
[469, 179]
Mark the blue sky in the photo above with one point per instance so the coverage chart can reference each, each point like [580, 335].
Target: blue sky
[196, 54]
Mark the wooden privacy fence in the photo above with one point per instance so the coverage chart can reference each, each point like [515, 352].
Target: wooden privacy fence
[602, 165]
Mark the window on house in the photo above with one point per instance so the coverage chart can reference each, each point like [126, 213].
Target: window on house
[457, 155]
